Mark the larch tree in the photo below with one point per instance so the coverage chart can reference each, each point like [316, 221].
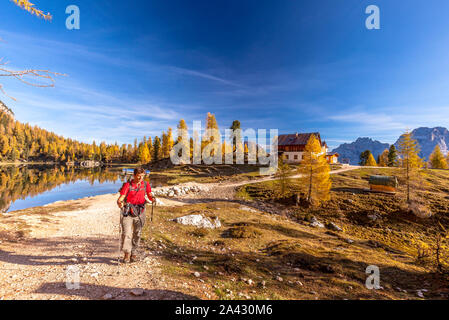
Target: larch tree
[183, 142]
[211, 142]
[408, 150]
[383, 159]
[315, 173]
[282, 174]
[437, 159]
[143, 154]
[170, 142]
[371, 162]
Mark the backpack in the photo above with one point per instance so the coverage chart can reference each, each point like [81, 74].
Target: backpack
[131, 209]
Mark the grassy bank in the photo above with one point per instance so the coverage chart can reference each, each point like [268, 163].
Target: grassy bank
[257, 255]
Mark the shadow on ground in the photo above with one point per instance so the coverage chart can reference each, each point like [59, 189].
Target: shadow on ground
[60, 251]
[98, 292]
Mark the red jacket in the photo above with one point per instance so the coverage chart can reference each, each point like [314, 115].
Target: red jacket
[135, 194]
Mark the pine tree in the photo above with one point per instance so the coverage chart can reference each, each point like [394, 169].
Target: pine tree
[437, 159]
[364, 157]
[408, 149]
[315, 173]
[157, 149]
[392, 157]
[150, 146]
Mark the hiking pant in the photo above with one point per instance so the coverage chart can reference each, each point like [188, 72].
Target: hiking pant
[131, 232]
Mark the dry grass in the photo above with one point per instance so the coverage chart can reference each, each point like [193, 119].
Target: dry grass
[313, 263]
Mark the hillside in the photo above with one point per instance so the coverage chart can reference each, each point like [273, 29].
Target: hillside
[352, 151]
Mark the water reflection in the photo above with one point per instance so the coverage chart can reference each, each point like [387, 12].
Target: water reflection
[29, 186]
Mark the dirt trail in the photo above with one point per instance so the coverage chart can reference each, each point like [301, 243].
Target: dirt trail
[86, 239]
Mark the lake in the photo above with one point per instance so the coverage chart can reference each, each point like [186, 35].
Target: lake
[31, 186]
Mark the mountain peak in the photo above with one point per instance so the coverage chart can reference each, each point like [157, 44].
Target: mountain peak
[429, 138]
[350, 152]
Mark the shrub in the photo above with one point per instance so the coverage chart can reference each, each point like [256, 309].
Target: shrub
[243, 232]
[200, 232]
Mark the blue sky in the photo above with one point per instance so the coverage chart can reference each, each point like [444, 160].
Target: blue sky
[136, 67]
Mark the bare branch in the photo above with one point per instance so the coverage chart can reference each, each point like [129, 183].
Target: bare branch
[22, 75]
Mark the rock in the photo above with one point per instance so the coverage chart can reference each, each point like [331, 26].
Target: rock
[317, 224]
[373, 216]
[95, 275]
[250, 282]
[197, 274]
[198, 220]
[332, 226]
[107, 296]
[137, 292]
[278, 278]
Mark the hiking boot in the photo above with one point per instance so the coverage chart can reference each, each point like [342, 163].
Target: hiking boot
[134, 258]
[126, 258]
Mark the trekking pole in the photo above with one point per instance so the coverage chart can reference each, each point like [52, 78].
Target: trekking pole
[152, 209]
[120, 237]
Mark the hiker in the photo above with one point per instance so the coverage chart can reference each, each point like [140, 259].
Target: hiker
[132, 202]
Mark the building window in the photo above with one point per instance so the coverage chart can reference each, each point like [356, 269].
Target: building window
[296, 157]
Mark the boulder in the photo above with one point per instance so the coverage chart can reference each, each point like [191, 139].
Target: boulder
[198, 220]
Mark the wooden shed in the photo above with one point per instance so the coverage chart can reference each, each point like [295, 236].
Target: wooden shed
[383, 183]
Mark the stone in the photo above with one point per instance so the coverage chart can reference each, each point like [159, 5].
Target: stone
[198, 220]
[137, 292]
[278, 278]
[197, 274]
[317, 224]
[332, 226]
[107, 296]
